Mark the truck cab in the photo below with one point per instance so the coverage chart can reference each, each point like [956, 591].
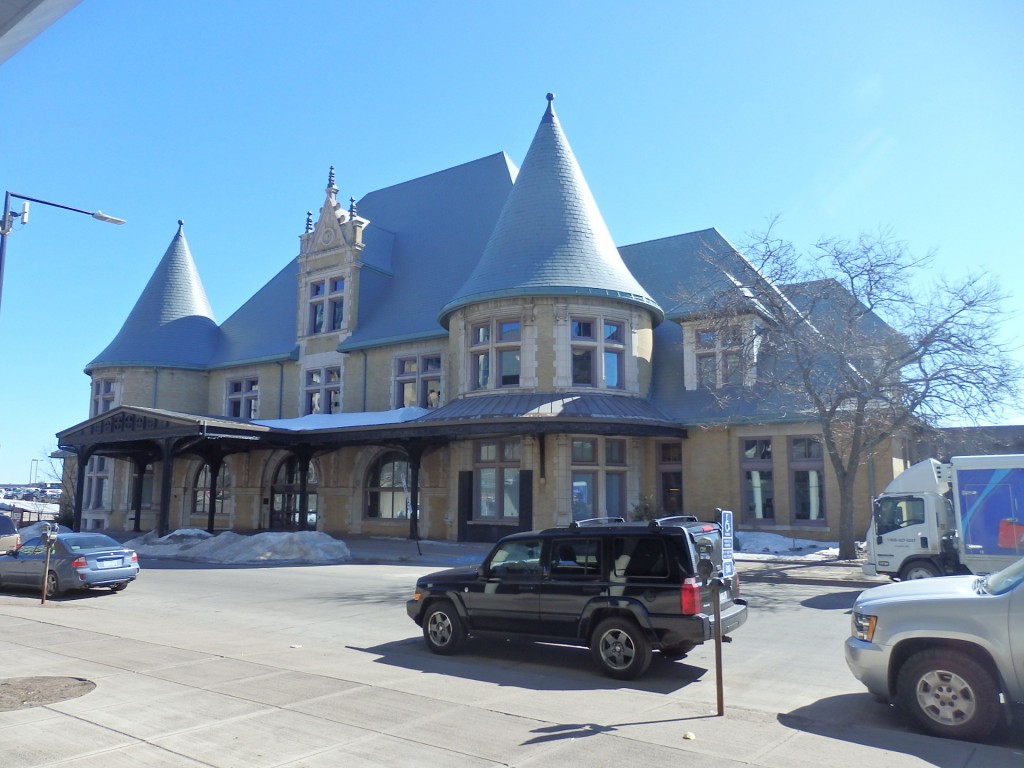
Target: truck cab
[936, 519]
[912, 534]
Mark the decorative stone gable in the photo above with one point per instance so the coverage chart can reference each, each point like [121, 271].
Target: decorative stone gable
[337, 236]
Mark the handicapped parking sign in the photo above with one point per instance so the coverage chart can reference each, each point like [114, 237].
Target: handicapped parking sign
[728, 565]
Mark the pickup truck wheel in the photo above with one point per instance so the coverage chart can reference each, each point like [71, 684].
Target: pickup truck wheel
[920, 569]
[949, 694]
[442, 628]
[620, 649]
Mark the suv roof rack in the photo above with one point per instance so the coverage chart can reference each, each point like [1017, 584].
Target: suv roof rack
[597, 521]
[673, 520]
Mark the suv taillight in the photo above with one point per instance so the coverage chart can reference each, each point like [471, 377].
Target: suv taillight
[689, 597]
[736, 584]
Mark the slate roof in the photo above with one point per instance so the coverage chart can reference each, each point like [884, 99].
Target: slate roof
[434, 229]
[172, 323]
[687, 273]
[551, 238]
[263, 328]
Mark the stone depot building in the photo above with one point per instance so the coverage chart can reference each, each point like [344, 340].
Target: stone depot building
[457, 356]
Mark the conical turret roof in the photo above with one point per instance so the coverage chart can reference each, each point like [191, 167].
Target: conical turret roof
[172, 323]
[550, 238]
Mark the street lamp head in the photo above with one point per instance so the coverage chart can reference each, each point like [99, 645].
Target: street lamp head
[101, 216]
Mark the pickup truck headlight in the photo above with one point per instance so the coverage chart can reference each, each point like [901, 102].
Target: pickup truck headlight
[864, 626]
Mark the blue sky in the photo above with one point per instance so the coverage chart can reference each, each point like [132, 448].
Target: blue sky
[839, 118]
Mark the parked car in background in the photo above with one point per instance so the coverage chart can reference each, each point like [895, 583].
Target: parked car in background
[944, 650]
[623, 590]
[9, 536]
[78, 561]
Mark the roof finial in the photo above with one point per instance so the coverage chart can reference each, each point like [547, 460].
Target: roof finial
[551, 105]
[352, 207]
[330, 181]
[309, 221]
[181, 225]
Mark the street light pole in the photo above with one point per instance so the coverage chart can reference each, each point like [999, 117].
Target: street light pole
[8, 221]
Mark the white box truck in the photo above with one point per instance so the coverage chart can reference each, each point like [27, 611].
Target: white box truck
[939, 519]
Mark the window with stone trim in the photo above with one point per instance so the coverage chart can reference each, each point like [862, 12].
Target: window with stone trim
[418, 381]
[495, 349]
[326, 306]
[598, 350]
[387, 487]
[497, 476]
[598, 477]
[758, 480]
[323, 390]
[243, 397]
[105, 395]
[719, 357]
[807, 479]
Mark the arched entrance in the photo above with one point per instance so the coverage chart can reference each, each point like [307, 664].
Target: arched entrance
[286, 512]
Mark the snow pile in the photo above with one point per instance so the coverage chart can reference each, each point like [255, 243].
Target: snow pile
[228, 547]
[757, 545]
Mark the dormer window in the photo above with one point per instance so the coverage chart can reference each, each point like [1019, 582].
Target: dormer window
[598, 352]
[496, 353]
[719, 357]
[326, 306]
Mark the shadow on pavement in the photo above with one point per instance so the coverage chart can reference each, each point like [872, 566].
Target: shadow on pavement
[537, 666]
[859, 719]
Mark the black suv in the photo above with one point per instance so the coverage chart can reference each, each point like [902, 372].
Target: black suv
[623, 589]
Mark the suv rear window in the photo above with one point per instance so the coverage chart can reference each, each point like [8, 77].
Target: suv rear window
[640, 556]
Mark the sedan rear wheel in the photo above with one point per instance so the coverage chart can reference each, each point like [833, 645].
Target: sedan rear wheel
[52, 584]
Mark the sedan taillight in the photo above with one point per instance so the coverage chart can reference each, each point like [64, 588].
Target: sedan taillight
[79, 562]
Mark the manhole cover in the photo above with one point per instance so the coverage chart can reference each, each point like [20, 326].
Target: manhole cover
[26, 692]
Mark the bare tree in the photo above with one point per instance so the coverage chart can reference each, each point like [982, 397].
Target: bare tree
[854, 336]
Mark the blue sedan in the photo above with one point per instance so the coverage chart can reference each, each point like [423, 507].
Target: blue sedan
[77, 561]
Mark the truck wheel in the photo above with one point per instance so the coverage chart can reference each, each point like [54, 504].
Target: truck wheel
[919, 569]
[442, 628]
[620, 649]
[949, 694]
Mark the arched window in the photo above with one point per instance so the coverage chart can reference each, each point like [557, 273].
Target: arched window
[285, 494]
[387, 487]
[201, 489]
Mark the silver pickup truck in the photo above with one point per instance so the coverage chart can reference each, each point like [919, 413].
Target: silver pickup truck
[949, 652]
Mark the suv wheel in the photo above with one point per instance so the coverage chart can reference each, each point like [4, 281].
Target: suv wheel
[442, 628]
[620, 649]
[949, 694]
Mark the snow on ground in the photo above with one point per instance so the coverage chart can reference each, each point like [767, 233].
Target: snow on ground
[772, 546]
[229, 547]
[197, 545]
